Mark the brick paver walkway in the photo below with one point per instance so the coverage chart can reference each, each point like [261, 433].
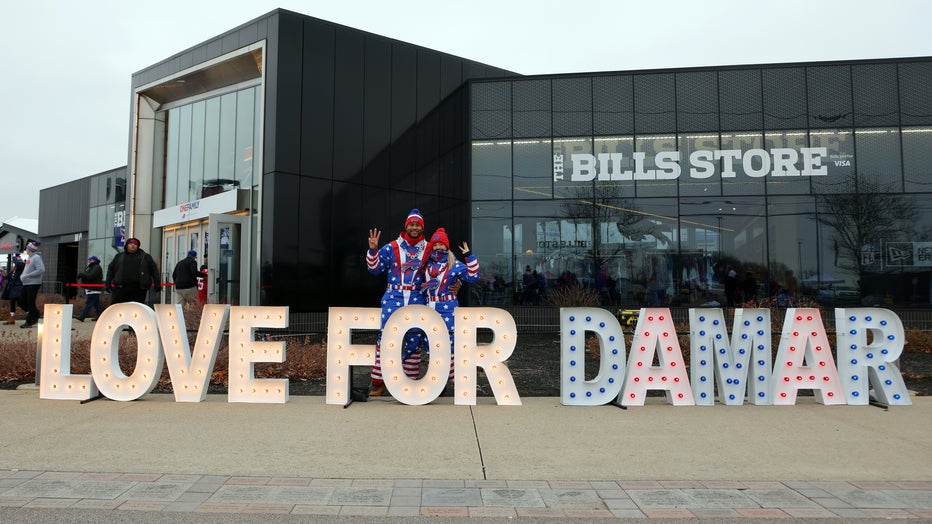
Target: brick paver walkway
[465, 498]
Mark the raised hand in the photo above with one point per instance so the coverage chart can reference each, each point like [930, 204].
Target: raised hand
[374, 235]
[464, 248]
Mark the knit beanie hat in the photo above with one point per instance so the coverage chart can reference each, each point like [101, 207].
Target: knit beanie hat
[414, 216]
[439, 237]
[32, 247]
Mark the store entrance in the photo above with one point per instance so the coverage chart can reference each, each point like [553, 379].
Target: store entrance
[176, 242]
[220, 242]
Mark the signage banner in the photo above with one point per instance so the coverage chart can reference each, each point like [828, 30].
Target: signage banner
[701, 164]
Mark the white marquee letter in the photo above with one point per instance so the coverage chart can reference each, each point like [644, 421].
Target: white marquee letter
[655, 330]
[804, 339]
[190, 373]
[342, 353]
[428, 388]
[860, 362]
[105, 351]
[490, 357]
[605, 387]
[713, 356]
[57, 382]
[245, 351]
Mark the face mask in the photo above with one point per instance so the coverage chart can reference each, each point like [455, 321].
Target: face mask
[438, 255]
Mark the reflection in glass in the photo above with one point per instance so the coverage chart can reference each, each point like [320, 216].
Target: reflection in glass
[533, 169]
[839, 161]
[491, 170]
[917, 158]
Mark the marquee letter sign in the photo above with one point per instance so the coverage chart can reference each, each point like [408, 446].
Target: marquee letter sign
[730, 367]
[655, 334]
[804, 360]
[858, 360]
[605, 387]
[712, 355]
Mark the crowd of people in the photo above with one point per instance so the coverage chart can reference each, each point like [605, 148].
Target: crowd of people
[131, 276]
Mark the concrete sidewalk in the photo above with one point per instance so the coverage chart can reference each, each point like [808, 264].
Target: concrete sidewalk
[382, 458]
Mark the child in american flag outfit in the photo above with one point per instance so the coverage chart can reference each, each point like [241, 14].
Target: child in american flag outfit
[401, 259]
[442, 270]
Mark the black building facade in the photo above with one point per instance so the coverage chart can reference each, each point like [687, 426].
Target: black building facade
[272, 149]
[286, 140]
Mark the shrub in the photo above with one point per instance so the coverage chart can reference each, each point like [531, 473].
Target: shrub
[573, 296]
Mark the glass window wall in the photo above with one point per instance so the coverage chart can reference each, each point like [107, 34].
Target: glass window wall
[211, 146]
[789, 209]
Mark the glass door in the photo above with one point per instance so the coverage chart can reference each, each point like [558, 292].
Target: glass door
[169, 259]
[227, 264]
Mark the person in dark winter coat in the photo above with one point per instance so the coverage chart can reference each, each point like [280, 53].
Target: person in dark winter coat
[185, 277]
[131, 274]
[14, 286]
[93, 275]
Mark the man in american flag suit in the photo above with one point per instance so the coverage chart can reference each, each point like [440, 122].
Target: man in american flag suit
[401, 259]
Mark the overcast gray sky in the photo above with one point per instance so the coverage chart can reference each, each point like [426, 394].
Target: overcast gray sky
[67, 64]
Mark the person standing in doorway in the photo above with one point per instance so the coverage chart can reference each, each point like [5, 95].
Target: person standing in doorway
[93, 277]
[401, 259]
[32, 281]
[185, 277]
[131, 274]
